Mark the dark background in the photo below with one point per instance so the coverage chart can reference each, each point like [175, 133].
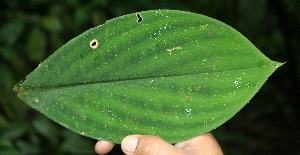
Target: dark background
[31, 30]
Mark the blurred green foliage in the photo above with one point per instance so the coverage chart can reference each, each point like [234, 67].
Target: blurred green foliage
[31, 30]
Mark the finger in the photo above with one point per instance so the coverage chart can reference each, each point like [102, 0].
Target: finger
[103, 147]
[147, 145]
[204, 144]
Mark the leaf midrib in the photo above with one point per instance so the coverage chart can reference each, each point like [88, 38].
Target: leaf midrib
[21, 90]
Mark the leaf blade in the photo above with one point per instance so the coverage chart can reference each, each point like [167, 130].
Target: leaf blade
[165, 75]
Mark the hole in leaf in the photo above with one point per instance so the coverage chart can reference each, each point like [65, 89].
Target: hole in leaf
[94, 44]
[140, 19]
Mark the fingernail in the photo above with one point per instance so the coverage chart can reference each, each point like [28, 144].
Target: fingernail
[129, 144]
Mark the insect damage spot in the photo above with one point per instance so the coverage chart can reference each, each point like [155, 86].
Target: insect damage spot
[175, 48]
[203, 27]
[94, 44]
[140, 19]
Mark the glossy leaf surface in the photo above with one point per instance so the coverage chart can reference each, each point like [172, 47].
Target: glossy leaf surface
[169, 73]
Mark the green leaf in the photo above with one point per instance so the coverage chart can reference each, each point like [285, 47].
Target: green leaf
[44, 127]
[11, 31]
[51, 23]
[36, 44]
[168, 73]
[76, 144]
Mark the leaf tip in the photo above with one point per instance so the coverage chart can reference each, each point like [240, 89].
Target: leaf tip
[277, 64]
[270, 63]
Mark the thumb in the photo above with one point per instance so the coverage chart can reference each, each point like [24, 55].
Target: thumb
[147, 145]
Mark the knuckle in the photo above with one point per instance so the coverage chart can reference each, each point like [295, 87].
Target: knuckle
[150, 145]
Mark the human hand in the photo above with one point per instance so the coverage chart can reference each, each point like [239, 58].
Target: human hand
[205, 144]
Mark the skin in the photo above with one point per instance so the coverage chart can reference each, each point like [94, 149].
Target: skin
[204, 144]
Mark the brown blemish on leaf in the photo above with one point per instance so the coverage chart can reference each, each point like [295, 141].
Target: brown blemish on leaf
[94, 44]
